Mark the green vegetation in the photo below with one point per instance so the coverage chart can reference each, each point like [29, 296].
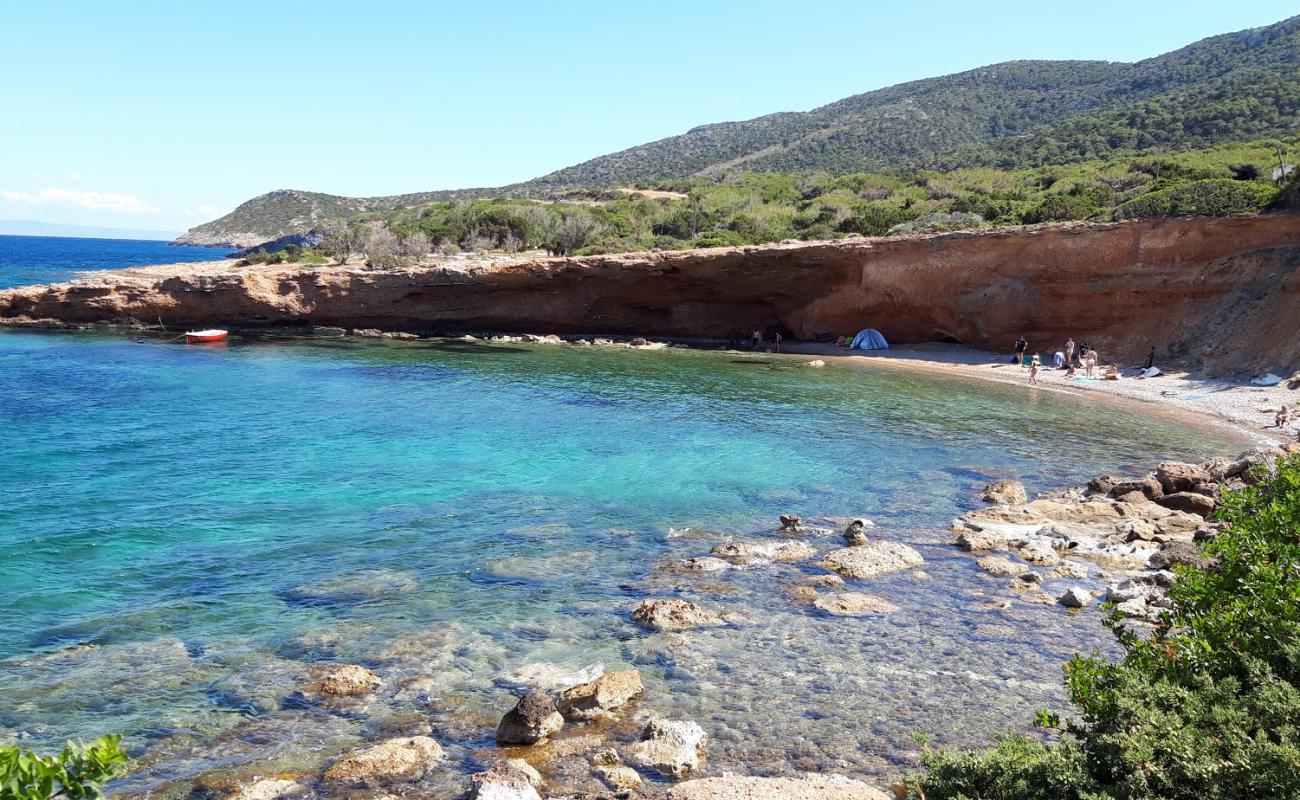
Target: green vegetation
[77, 772]
[1205, 708]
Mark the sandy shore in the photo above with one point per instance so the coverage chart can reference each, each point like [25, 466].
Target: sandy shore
[1238, 406]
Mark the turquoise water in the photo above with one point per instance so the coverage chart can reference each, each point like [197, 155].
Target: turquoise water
[212, 518]
[53, 259]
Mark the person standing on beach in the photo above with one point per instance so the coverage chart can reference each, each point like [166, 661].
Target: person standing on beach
[1069, 352]
[757, 338]
[1092, 362]
[1033, 369]
[777, 339]
[1021, 347]
[1151, 358]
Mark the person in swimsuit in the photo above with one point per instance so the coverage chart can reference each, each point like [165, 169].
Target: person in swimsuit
[1021, 347]
[1034, 364]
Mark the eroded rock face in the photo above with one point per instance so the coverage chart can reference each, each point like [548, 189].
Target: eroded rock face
[1127, 284]
[402, 759]
[533, 718]
[601, 697]
[805, 787]
[671, 614]
[1175, 476]
[873, 558]
[671, 747]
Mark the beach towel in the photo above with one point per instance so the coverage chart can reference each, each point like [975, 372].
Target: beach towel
[1268, 380]
[1149, 372]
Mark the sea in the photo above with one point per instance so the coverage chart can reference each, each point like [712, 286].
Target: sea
[185, 529]
[54, 259]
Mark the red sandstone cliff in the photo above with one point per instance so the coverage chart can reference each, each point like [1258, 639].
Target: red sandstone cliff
[1218, 294]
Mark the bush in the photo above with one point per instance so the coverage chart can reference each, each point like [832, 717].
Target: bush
[77, 772]
[1208, 198]
[1206, 708]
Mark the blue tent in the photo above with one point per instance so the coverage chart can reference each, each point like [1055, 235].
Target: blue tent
[869, 339]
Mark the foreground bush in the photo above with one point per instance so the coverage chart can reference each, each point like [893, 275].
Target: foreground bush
[1207, 707]
[77, 772]
[1208, 198]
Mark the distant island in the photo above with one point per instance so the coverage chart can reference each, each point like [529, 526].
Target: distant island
[1205, 129]
[27, 227]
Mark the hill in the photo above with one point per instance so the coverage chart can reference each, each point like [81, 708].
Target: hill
[1015, 115]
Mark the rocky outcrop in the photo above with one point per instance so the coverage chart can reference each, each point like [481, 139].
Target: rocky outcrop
[512, 779]
[1214, 293]
[339, 680]
[603, 696]
[873, 558]
[671, 614]
[853, 604]
[671, 747]
[1006, 492]
[533, 718]
[404, 759]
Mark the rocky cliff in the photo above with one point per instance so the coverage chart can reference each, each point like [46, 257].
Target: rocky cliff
[1222, 295]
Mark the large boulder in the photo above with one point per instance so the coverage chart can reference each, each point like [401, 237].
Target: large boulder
[853, 604]
[1172, 554]
[1075, 597]
[873, 558]
[402, 759]
[1175, 476]
[1006, 493]
[512, 779]
[805, 787]
[671, 614]
[671, 747]
[533, 718]
[1147, 485]
[270, 789]
[1189, 502]
[600, 698]
[339, 680]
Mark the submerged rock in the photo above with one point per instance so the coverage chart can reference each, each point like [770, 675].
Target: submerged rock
[805, 787]
[533, 718]
[671, 747]
[1002, 567]
[601, 697]
[1006, 493]
[356, 587]
[771, 550]
[265, 789]
[671, 614]
[853, 604]
[873, 558]
[403, 759]
[548, 677]
[705, 564]
[339, 680]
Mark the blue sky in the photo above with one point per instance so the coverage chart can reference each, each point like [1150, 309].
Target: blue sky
[166, 114]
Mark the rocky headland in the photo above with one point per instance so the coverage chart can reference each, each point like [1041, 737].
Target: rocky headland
[1217, 295]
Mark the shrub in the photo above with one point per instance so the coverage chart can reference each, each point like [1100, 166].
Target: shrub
[1206, 708]
[1209, 198]
[77, 772]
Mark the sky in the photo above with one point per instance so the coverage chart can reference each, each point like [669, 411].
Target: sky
[163, 115]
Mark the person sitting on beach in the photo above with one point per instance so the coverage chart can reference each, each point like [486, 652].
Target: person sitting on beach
[1283, 417]
[1021, 347]
[1112, 373]
[1034, 364]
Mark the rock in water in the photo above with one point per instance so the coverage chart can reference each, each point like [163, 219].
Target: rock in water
[789, 522]
[853, 604]
[533, 718]
[856, 531]
[672, 747]
[1006, 493]
[873, 558]
[340, 680]
[513, 779]
[671, 614]
[805, 787]
[1002, 567]
[403, 759]
[601, 697]
[271, 789]
[1075, 597]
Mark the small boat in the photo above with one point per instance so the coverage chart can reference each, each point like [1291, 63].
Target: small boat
[199, 337]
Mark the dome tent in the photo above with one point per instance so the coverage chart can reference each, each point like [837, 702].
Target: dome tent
[869, 339]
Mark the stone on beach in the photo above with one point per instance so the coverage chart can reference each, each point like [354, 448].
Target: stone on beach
[1075, 597]
[853, 604]
[873, 558]
[601, 697]
[340, 680]
[402, 759]
[512, 779]
[672, 747]
[671, 614]
[1006, 493]
[533, 718]
[810, 786]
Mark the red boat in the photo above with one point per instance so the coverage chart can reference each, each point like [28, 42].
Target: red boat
[199, 337]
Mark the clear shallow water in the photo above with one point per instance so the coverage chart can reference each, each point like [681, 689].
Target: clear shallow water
[52, 259]
[213, 518]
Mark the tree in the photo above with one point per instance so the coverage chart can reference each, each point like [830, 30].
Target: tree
[340, 240]
[77, 772]
[382, 249]
[416, 245]
[573, 233]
